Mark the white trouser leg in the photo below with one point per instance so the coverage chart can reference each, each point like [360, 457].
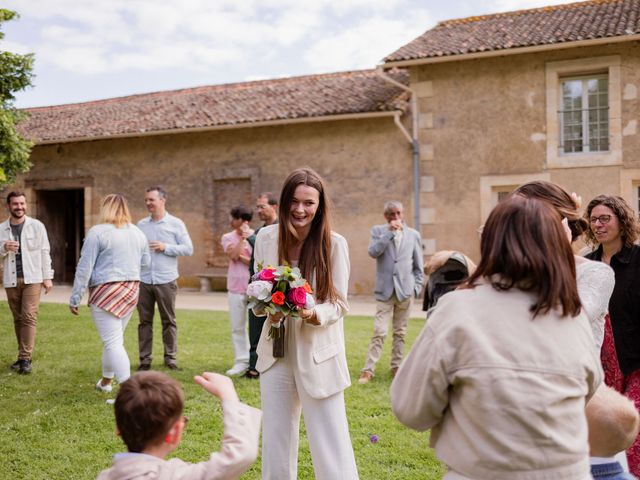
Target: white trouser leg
[238, 316]
[325, 421]
[280, 422]
[115, 360]
[328, 435]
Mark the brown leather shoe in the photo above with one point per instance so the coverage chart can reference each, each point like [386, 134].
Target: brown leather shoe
[365, 377]
[393, 371]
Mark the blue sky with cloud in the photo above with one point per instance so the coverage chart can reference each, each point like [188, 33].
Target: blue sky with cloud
[94, 49]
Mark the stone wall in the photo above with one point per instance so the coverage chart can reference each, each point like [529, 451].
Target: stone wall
[483, 124]
[365, 162]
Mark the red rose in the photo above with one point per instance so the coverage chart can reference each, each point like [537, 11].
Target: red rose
[278, 298]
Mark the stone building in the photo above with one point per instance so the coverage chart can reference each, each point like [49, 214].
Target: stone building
[218, 146]
[549, 93]
[486, 102]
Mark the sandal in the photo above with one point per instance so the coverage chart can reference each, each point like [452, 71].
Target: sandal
[252, 374]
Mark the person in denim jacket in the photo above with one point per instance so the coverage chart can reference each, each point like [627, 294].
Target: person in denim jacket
[110, 262]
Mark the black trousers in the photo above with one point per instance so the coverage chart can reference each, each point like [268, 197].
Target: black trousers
[255, 328]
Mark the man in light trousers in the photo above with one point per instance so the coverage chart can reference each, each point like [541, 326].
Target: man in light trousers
[24, 248]
[399, 276]
[168, 239]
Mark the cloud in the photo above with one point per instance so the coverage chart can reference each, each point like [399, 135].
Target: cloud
[15, 47]
[154, 45]
[366, 43]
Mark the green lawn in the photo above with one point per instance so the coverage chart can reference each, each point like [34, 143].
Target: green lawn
[56, 426]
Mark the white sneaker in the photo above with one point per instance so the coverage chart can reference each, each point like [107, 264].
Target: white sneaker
[238, 369]
[104, 388]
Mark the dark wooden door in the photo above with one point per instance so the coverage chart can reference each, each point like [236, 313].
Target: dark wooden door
[227, 193]
[62, 212]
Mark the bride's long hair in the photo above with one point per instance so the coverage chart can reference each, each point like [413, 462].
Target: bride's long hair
[315, 254]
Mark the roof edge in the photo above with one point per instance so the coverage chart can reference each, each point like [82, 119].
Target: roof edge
[266, 123]
[512, 51]
[520, 12]
[198, 88]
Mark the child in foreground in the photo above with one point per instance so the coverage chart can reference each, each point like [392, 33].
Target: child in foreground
[149, 419]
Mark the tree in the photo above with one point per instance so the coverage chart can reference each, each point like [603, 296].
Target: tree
[15, 75]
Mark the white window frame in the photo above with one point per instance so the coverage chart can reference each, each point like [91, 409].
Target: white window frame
[556, 72]
[585, 124]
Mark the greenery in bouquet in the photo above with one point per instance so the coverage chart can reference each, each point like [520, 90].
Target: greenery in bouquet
[279, 289]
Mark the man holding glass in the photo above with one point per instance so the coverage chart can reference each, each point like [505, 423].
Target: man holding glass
[168, 238]
[399, 276]
[24, 248]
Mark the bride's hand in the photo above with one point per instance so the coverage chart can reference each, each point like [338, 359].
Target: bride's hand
[309, 316]
[275, 317]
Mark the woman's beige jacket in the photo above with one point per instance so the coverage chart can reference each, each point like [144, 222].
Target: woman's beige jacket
[503, 393]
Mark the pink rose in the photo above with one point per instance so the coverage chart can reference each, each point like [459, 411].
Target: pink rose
[297, 296]
[268, 274]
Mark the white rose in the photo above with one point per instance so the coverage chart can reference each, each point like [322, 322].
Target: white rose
[260, 289]
[310, 303]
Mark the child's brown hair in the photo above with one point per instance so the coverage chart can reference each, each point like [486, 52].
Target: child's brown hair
[147, 406]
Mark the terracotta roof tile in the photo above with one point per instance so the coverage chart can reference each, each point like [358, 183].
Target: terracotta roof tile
[525, 28]
[218, 105]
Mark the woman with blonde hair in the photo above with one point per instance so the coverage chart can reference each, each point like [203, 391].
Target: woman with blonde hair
[112, 255]
[312, 375]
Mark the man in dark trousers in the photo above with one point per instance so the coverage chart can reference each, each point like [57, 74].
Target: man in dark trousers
[267, 208]
[168, 239]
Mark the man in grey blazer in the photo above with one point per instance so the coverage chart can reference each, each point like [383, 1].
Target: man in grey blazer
[399, 275]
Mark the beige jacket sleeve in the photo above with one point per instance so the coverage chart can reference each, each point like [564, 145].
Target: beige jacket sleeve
[239, 448]
[419, 392]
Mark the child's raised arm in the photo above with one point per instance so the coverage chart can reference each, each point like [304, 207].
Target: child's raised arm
[217, 385]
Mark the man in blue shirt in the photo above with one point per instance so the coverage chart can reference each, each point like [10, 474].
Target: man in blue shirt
[168, 238]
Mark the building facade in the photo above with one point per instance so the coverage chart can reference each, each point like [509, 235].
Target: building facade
[488, 103]
[548, 93]
[86, 151]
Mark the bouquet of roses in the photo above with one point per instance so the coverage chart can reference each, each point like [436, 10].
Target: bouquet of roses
[279, 289]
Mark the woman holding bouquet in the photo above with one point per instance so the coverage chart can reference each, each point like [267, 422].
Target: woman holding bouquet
[312, 374]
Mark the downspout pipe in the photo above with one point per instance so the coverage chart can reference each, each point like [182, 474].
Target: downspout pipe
[411, 138]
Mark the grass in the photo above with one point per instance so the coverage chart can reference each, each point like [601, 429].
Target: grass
[54, 425]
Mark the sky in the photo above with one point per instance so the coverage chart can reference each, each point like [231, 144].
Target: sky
[95, 49]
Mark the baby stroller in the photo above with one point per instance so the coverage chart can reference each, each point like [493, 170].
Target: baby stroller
[446, 270]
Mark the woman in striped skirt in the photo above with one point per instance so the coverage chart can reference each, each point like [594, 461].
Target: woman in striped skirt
[112, 255]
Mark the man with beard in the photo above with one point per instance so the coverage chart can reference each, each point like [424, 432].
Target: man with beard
[24, 248]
